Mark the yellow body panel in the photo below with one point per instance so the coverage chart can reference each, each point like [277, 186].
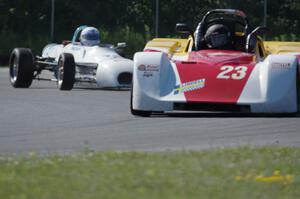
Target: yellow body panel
[180, 47]
[278, 47]
[170, 46]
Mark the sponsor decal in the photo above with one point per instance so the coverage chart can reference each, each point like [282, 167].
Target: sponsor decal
[117, 60]
[281, 66]
[75, 48]
[148, 74]
[110, 56]
[189, 86]
[149, 67]
[148, 70]
[142, 67]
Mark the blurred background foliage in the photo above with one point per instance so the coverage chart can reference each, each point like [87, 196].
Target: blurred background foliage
[26, 23]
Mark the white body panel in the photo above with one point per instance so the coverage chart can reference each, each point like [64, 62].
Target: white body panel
[271, 87]
[149, 84]
[109, 64]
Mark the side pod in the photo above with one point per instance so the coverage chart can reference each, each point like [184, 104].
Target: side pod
[153, 78]
[271, 88]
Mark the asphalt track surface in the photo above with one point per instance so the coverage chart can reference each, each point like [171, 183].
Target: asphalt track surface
[45, 120]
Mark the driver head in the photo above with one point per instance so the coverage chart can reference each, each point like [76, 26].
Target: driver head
[90, 36]
[217, 36]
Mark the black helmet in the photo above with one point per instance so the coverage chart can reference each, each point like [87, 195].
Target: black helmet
[217, 36]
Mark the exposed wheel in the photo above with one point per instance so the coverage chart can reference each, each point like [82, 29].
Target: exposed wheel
[21, 67]
[66, 71]
[137, 112]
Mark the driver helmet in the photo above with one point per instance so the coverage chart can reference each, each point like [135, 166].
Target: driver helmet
[217, 36]
[90, 36]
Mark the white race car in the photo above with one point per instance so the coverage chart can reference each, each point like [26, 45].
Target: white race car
[72, 62]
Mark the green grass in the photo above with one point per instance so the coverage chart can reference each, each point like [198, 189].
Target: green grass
[218, 173]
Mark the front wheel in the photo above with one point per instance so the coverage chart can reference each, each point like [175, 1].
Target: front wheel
[21, 67]
[66, 71]
[137, 112]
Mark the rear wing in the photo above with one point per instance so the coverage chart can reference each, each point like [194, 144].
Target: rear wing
[279, 47]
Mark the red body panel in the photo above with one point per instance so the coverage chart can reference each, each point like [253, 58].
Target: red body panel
[235, 68]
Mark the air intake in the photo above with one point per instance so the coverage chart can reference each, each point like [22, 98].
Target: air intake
[125, 78]
[211, 107]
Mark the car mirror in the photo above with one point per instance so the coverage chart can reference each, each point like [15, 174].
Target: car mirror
[183, 28]
[251, 38]
[121, 45]
[260, 30]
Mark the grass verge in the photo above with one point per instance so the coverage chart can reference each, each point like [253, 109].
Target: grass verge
[267, 172]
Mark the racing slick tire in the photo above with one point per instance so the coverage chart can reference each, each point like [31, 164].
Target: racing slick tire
[66, 71]
[137, 112]
[21, 67]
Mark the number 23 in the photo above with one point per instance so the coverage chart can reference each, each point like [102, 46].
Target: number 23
[240, 72]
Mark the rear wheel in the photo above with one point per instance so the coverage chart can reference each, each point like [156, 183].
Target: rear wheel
[66, 71]
[21, 67]
[137, 112]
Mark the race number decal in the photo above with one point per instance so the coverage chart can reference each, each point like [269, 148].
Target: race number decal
[239, 72]
[225, 71]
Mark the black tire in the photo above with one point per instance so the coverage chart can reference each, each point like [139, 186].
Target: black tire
[21, 67]
[66, 71]
[137, 112]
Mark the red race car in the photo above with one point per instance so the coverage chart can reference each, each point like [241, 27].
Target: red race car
[222, 66]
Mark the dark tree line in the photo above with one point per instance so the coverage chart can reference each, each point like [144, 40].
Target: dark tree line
[27, 22]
